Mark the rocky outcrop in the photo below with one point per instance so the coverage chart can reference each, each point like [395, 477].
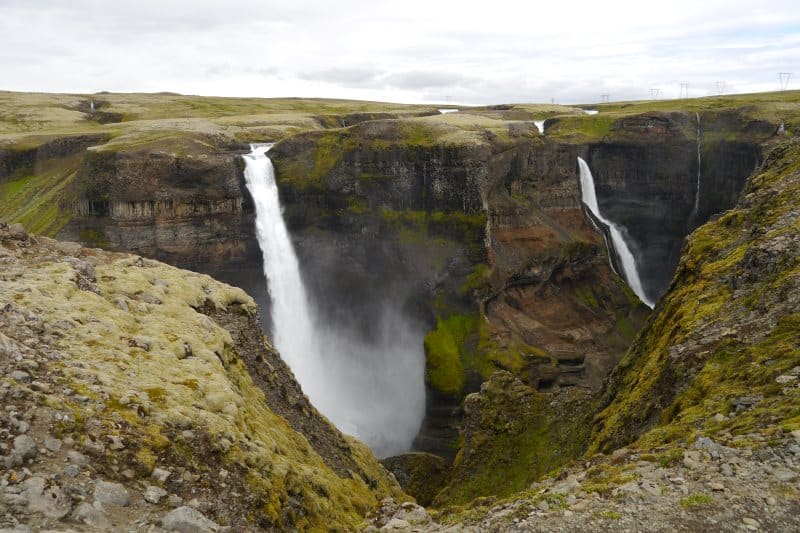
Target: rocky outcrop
[188, 209]
[129, 403]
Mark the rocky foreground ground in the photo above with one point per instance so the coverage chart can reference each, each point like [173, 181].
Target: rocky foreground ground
[710, 486]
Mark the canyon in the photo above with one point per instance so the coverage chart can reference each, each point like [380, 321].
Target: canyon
[468, 226]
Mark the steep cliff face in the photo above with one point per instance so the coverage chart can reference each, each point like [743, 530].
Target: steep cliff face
[719, 358]
[183, 204]
[483, 242]
[647, 170]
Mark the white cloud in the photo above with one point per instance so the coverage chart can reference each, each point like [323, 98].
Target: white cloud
[473, 52]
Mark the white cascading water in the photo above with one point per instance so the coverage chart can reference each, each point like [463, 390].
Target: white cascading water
[540, 125]
[291, 315]
[373, 390]
[623, 251]
[699, 168]
[591, 111]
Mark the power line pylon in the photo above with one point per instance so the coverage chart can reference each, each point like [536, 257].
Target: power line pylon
[783, 78]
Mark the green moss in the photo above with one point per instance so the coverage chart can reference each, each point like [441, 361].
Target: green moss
[478, 279]
[696, 500]
[607, 515]
[514, 436]
[94, 238]
[211, 391]
[40, 201]
[587, 296]
[443, 353]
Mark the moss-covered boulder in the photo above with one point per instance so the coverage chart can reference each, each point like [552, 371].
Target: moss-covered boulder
[144, 368]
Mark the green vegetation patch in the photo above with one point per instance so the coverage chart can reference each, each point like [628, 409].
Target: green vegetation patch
[444, 348]
[40, 201]
[696, 500]
[513, 435]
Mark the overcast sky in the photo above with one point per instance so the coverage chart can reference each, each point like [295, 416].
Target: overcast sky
[491, 51]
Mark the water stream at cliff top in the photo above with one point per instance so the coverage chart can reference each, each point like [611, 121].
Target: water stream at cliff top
[540, 125]
[627, 262]
[373, 390]
[699, 169]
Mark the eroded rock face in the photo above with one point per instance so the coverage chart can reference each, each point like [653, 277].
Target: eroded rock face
[188, 210]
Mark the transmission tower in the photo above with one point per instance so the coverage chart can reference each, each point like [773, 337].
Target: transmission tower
[684, 90]
[604, 98]
[720, 87]
[654, 92]
[783, 78]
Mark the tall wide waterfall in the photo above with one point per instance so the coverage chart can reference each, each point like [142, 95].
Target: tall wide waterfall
[626, 260]
[373, 390]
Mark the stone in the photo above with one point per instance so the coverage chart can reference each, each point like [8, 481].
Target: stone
[25, 446]
[115, 443]
[750, 521]
[21, 376]
[46, 498]
[785, 475]
[17, 232]
[716, 486]
[567, 486]
[92, 516]
[785, 379]
[160, 475]
[396, 524]
[71, 470]
[113, 493]
[67, 247]
[413, 514]
[796, 434]
[543, 505]
[52, 444]
[704, 443]
[617, 456]
[77, 458]
[187, 520]
[153, 494]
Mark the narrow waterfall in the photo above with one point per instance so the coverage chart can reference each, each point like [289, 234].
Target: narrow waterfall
[291, 314]
[540, 125]
[371, 389]
[626, 260]
[699, 168]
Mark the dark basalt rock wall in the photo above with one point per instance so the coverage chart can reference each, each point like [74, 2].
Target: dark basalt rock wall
[187, 211]
[16, 159]
[647, 183]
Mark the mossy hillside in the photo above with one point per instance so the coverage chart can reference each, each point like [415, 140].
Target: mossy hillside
[39, 199]
[513, 435]
[738, 274]
[461, 348]
[140, 350]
